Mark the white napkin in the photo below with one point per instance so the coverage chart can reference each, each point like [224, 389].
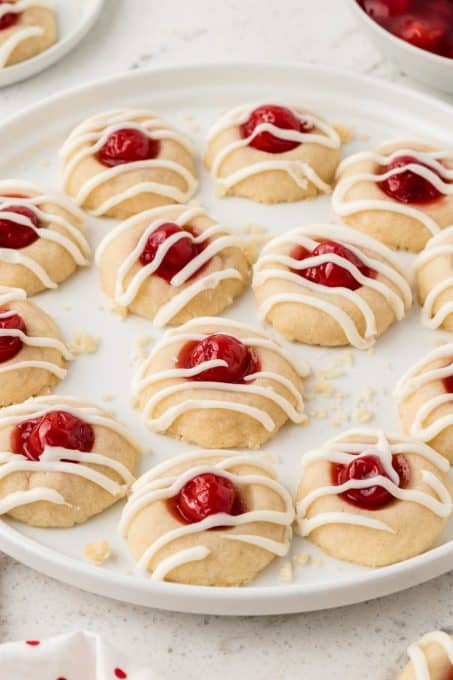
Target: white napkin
[75, 656]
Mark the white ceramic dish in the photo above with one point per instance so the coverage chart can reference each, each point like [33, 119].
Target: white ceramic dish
[29, 147]
[75, 18]
[430, 69]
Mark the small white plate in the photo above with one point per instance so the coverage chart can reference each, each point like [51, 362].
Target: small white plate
[75, 18]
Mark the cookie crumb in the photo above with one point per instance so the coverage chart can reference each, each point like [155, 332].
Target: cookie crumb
[323, 386]
[286, 572]
[318, 562]
[97, 552]
[84, 343]
[344, 132]
[139, 347]
[363, 137]
[363, 415]
[107, 397]
[301, 559]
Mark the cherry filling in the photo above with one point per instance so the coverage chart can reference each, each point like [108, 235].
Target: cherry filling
[241, 360]
[331, 274]
[366, 467]
[56, 428]
[407, 186]
[126, 146]
[14, 235]
[9, 19]
[10, 345]
[178, 256]
[205, 495]
[282, 118]
[448, 383]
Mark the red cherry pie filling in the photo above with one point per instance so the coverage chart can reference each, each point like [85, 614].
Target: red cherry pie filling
[56, 428]
[9, 19]
[178, 256]
[127, 145]
[205, 495]
[366, 467]
[10, 345]
[330, 274]
[407, 186]
[280, 117]
[240, 360]
[448, 383]
[14, 235]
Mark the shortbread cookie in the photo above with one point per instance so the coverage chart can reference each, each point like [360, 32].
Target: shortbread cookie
[272, 153]
[62, 461]
[33, 356]
[208, 518]
[171, 264]
[328, 285]
[431, 658]
[402, 194]
[372, 498]
[27, 28]
[434, 276]
[425, 400]
[219, 384]
[42, 238]
[122, 162]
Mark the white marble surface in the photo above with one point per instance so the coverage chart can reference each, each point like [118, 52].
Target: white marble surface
[364, 641]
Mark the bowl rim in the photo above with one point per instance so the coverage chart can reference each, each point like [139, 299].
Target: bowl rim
[374, 25]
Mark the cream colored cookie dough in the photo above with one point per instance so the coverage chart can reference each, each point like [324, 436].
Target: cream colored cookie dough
[216, 414]
[430, 658]
[434, 277]
[61, 246]
[127, 188]
[402, 528]
[316, 314]
[218, 550]
[206, 285]
[359, 201]
[64, 486]
[239, 169]
[33, 32]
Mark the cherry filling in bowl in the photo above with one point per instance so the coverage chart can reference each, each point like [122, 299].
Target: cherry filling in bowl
[14, 235]
[330, 274]
[9, 19]
[366, 467]
[280, 117]
[427, 24]
[240, 360]
[127, 145]
[408, 187]
[56, 428]
[178, 256]
[205, 495]
[10, 345]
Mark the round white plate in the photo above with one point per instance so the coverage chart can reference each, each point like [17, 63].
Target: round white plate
[75, 18]
[191, 98]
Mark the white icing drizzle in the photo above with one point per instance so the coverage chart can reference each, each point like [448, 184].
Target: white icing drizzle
[418, 657]
[342, 450]
[74, 243]
[268, 268]
[187, 333]
[299, 170]
[438, 245]
[124, 294]
[420, 375]
[50, 459]
[157, 484]
[437, 174]
[88, 138]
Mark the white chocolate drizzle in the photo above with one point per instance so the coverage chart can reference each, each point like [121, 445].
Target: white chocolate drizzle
[418, 657]
[300, 171]
[272, 265]
[436, 174]
[438, 245]
[51, 458]
[90, 136]
[20, 33]
[73, 242]
[191, 331]
[157, 484]
[125, 294]
[341, 450]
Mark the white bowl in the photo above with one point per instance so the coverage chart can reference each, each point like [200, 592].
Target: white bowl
[428, 68]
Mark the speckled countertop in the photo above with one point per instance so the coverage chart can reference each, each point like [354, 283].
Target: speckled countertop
[363, 641]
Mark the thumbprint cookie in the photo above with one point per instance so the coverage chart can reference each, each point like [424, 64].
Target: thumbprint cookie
[434, 277]
[431, 658]
[27, 28]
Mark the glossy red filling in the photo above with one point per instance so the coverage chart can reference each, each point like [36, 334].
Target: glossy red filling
[127, 146]
[448, 383]
[178, 256]
[9, 19]
[241, 360]
[427, 24]
[10, 345]
[56, 428]
[366, 467]
[14, 235]
[330, 274]
[407, 186]
[282, 118]
[204, 495]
